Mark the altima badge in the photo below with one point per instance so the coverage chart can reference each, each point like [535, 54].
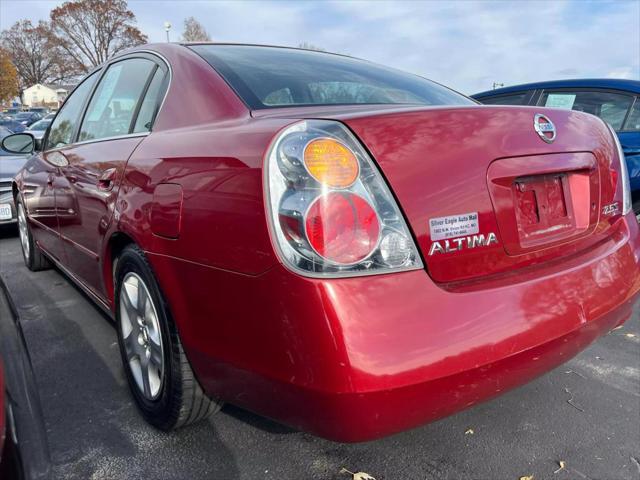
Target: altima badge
[544, 127]
[457, 244]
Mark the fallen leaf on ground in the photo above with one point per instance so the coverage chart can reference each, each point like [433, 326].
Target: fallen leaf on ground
[357, 475]
[562, 465]
[527, 477]
[469, 431]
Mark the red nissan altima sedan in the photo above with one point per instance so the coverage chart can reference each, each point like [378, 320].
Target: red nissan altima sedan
[340, 246]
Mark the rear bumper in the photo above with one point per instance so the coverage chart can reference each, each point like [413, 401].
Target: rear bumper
[363, 416]
[360, 358]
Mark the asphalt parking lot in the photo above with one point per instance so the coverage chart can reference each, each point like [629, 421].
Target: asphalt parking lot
[585, 413]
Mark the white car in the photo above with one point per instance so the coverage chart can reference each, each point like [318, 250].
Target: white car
[38, 129]
[10, 164]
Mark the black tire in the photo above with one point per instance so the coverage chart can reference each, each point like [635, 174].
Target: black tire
[33, 257]
[180, 400]
[10, 461]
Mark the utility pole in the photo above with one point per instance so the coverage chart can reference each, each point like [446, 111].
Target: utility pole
[167, 27]
[495, 84]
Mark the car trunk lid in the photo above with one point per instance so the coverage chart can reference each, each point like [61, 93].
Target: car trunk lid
[484, 193]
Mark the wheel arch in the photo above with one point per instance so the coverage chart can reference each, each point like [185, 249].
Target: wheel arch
[117, 242]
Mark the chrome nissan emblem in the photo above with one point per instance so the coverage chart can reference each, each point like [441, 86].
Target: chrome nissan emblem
[544, 127]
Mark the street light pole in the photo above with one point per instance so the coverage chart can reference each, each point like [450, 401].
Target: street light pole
[167, 27]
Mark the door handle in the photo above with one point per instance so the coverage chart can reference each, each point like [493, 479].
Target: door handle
[107, 180]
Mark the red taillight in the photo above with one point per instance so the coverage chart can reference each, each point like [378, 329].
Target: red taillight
[342, 227]
[331, 212]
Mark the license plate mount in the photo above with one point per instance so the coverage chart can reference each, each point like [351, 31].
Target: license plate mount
[5, 211]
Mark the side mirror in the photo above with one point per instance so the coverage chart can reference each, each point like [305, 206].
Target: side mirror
[20, 143]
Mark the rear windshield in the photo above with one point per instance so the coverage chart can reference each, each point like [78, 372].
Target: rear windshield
[268, 77]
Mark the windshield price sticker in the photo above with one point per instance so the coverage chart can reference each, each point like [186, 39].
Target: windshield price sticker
[558, 100]
[453, 226]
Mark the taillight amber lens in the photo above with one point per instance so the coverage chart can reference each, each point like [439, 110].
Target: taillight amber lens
[331, 163]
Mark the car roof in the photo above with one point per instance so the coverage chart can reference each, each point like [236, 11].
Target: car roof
[632, 86]
[159, 47]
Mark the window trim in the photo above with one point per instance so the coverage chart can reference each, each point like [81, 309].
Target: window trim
[138, 102]
[45, 138]
[156, 107]
[625, 93]
[145, 89]
[160, 61]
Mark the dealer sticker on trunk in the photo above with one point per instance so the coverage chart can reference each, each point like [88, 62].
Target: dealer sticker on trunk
[453, 226]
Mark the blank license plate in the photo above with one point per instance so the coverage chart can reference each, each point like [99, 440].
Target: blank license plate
[5, 211]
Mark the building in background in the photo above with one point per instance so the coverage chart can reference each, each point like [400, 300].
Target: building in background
[40, 95]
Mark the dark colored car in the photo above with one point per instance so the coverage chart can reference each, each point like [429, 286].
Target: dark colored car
[10, 124]
[27, 118]
[24, 453]
[616, 101]
[340, 246]
[10, 164]
[42, 111]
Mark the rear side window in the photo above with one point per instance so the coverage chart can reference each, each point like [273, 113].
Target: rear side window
[633, 120]
[609, 106]
[115, 100]
[515, 99]
[265, 77]
[151, 102]
[66, 122]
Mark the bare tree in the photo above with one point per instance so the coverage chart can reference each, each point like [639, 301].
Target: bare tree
[194, 31]
[91, 31]
[36, 58]
[310, 46]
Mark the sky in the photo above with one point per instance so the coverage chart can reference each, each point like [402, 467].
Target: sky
[464, 44]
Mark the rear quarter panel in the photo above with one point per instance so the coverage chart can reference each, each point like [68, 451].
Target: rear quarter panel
[203, 141]
[219, 168]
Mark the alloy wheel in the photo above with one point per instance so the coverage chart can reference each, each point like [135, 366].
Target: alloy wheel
[141, 336]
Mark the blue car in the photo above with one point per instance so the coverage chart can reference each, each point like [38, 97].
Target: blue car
[10, 124]
[616, 101]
